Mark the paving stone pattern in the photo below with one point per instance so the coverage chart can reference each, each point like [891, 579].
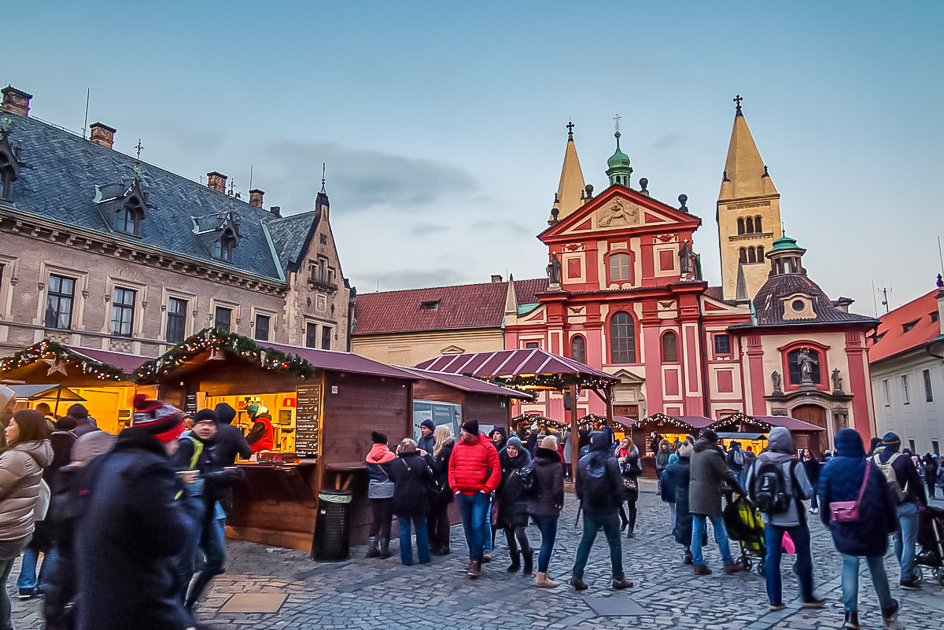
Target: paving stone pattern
[375, 593]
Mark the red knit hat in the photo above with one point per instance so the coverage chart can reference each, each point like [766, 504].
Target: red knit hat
[163, 421]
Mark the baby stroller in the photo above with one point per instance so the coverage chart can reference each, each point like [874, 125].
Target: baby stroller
[931, 538]
[743, 522]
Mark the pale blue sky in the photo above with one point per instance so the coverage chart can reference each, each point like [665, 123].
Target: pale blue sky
[443, 123]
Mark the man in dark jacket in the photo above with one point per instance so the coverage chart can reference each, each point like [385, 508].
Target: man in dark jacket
[83, 424]
[131, 528]
[676, 478]
[599, 486]
[229, 440]
[708, 474]
[427, 441]
[911, 495]
[736, 460]
[849, 477]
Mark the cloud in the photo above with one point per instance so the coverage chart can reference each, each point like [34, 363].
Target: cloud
[425, 229]
[666, 142]
[393, 280]
[489, 225]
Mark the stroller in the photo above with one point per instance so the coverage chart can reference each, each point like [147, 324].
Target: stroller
[743, 522]
[931, 538]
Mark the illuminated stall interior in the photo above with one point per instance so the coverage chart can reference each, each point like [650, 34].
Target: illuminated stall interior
[753, 431]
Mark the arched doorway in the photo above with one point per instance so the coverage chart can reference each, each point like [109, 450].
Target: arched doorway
[814, 414]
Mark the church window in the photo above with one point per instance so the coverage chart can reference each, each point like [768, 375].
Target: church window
[749, 225]
[742, 255]
[622, 338]
[757, 224]
[798, 305]
[740, 225]
[620, 267]
[795, 361]
[722, 343]
[751, 255]
[670, 347]
[760, 253]
[578, 349]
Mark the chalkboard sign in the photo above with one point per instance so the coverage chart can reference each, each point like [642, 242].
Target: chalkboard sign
[307, 420]
[191, 405]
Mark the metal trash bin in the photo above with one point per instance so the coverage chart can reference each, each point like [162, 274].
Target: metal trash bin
[332, 527]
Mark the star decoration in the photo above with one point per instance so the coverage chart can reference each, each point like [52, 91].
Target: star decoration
[55, 365]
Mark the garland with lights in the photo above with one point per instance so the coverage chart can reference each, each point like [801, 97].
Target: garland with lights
[47, 350]
[591, 418]
[661, 418]
[211, 339]
[736, 418]
[549, 381]
[531, 418]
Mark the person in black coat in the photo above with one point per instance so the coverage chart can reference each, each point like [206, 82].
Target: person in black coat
[229, 440]
[437, 518]
[546, 502]
[412, 478]
[513, 505]
[131, 529]
[677, 477]
[812, 465]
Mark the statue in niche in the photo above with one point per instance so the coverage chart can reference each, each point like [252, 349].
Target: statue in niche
[554, 270]
[778, 381]
[806, 361]
[837, 381]
[686, 258]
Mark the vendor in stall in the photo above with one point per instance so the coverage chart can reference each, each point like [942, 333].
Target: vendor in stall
[260, 435]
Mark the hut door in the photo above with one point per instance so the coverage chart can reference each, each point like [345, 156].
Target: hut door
[814, 414]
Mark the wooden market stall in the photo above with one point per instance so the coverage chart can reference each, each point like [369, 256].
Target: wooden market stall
[645, 431]
[99, 379]
[753, 431]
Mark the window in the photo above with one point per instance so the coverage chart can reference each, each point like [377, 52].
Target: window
[757, 224]
[176, 320]
[326, 337]
[532, 344]
[122, 312]
[908, 326]
[740, 225]
[59, 302]
[934, 317]
[127, 221]
[751, 255]
[722, 344]
[620, 267]
[223, 247]
[928, 394]
[911, 443]
[742, 255]
[311, 335]
[935, 447]
[670, 347]
[223, 318]
[760, 253]
[622, 338]
[904, 388]
[888, 400]
[431, 305]
[796, 360]
[262, 328]
[749, 225]
[578, 349]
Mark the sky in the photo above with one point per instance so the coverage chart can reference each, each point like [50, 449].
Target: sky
[442, 124]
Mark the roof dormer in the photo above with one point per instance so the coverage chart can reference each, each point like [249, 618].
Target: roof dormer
[10, 166]
[219, 235]
[124, 206]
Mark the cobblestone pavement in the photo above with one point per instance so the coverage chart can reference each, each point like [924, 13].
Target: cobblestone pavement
[375, 593]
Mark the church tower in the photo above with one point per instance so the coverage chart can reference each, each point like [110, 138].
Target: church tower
[748, 215]
[571, 191]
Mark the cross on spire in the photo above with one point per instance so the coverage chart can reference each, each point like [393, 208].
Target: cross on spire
[139, 147]
[617, 119]
[323, 176]
[570, 130]
[737, 99]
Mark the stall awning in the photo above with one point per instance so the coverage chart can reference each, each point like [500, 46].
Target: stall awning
[686, 423]
[766, 423]
[532, 418]
[742, 436]
[467, 383]
[45, 392]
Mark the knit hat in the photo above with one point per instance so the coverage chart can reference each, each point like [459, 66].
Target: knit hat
[686, 449]
[428, 424]
[498, 430]
[251, 409]
[377, 437]
[224, 413]
[515, 442]
[890, 439]
[163, 421]
[550, 443]
[204, 414]
[77, 411]
[6, 395]
[471, 426]
[91, 445]
[709, 435]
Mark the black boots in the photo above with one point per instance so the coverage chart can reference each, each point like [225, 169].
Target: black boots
[852, 621]
[384, 547]
[528, 561]
[372, 550]
[515, 562]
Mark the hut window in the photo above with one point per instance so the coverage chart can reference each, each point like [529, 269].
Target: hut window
[223, 318]
[122, 312]
[262, 328]
[59, 302]
[578, 349]
[622, 338]
[311, 335]
[670, 347]
[176, 320]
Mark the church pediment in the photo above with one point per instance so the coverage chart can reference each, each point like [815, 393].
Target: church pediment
[716, 308]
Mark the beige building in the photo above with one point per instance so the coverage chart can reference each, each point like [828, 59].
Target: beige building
[101, 250]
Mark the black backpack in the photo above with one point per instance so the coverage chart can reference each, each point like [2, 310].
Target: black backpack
[597, 489]
[769, 488]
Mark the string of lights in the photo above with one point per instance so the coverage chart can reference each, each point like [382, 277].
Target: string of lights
[59, 357]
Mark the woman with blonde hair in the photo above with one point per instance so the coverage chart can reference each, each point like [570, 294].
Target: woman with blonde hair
[437, 518]
[412, 478]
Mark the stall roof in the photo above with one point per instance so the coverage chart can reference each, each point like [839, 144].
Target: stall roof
[335, 361]
[692, 422]
[741, 436]
[466, 383]
[529, 366]
[696, 422]
[773, 421]
[50, 391]
[125, 362]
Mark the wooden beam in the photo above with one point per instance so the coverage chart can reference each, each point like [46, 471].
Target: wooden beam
[574, 442]
[609, 405]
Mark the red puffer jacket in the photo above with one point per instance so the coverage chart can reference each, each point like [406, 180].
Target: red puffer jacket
[474, 466]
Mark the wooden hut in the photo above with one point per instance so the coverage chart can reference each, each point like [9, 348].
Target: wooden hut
[670, 428]
[753, 431]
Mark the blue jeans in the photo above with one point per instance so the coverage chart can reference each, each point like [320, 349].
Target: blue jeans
[814, 502]
[487, 532]
[850, 582]
[473, 508]
[699, 527]
[611, 528]
[422, 541]
[804, 562]
[548, 527]
[210, 558]
[905, 539]
[9, 552]
[27, 580]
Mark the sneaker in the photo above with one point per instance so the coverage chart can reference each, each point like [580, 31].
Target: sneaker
[890, 613]
[910, 585]
[777, 607]
[813, 603]
[621, 584]
[27, 593]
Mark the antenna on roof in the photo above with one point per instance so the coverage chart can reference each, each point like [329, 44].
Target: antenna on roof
[322, 177]
[940, 254]
[137, 160]
[874, 301]
[88, 93]
[250, 177]
[885, 292]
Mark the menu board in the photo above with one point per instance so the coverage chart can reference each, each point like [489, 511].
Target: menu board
[307, 420]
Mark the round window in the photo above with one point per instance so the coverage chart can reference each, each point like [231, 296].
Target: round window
[798, 305]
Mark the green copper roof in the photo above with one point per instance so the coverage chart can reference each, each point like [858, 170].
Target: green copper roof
[619, 158]
[785, 242]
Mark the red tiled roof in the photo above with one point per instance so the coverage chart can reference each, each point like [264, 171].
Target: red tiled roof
[891, 335]
[509, 363]
[125, 362]
[456, 307]
[715, 293]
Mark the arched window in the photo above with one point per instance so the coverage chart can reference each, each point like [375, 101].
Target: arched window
[751, 255]
[578, 349]
[740, 225]
[804, 363]
[760, 253]
[223, 248]
[742, 255]
[757, 224]
[620, 267]
[622, 338]
[749, 225]
[670, 347]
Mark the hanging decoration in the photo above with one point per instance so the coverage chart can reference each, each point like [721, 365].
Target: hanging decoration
[57, 357]
[740, 419]
[213, 342]
[589, 419]
[661, 418]
[55, 365]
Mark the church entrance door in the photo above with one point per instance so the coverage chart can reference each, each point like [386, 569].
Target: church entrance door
[814, 414]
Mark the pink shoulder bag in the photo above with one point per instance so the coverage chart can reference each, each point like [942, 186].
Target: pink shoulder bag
[848, 511]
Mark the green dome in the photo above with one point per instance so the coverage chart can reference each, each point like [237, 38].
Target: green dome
[619, 169]
[785, 242]
[619, 158]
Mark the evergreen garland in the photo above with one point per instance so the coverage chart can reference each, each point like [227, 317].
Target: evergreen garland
[49, 349]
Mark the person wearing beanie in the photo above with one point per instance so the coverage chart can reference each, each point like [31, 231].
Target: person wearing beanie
[427, 441]
[545, 504]
[498, 438]
[131, 528]
[83, 423]
[849, 477]
[230, 443]
[903, 478]
[260, 436]
[474, 473]
[708, 473]
[780, 455]
[379, 495]
[513, 504]
[675, 484]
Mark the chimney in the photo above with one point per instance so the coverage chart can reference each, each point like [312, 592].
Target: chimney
[102, 134]
[216, 181]
[496, 279]
[255, 198]
[276, 210]
[16, 101]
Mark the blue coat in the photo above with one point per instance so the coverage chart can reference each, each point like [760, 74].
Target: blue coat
[841, 480]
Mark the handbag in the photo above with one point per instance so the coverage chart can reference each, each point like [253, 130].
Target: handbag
[848, 511]
[630, 489]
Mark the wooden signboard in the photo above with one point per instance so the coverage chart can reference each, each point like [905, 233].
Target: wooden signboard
[307, 420]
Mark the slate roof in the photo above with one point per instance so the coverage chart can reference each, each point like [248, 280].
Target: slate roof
[459, 307]
[769, 307]
[892, 336]
[66, 168]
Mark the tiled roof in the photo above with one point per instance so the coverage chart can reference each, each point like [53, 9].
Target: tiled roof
[334, 361]
[446, 308]
[466, 383]
[715, 293]
[769, 307]
[907, 327]
[509, 363]
[65, 169]
[289, 234]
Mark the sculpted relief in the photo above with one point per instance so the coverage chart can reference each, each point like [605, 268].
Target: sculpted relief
[618, 213]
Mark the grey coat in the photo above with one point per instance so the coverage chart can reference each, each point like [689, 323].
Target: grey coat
[797, 484]
[708, 472]
[21, 470]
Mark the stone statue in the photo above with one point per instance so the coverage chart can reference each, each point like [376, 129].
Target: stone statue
[778, 381]
[837, 381]
[806, 361]
[686, 257]
[554, 270]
